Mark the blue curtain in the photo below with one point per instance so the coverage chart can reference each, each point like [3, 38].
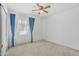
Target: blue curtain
[12, 23]
[31, 24]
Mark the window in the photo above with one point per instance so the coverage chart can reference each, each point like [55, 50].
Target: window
[22, 26]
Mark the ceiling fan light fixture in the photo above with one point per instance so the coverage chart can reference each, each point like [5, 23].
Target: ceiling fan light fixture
[41, 11]
[42, 8]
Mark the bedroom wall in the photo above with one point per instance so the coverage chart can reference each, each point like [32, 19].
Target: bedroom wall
[0, 25]
[38, 29]
[63, 28]
[0, 30]
[44, 27]
[4, 40]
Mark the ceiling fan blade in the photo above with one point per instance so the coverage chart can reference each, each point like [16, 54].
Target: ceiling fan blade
[47, 7]
[38, 4]
[35, 10]
[45, 11]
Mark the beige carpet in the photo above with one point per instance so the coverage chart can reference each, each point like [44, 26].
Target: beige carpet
[41, 48]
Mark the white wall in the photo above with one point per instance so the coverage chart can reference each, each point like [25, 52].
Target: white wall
[37, 33]
[63, 28]
[4, 40]
[0, 30]
[43, 24]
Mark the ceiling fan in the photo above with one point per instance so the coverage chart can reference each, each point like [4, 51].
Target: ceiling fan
[42, 8]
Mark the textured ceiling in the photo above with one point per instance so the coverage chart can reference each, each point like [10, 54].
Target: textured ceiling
[28, 7]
